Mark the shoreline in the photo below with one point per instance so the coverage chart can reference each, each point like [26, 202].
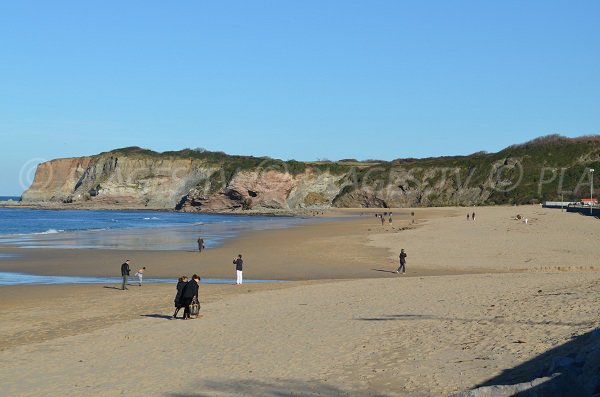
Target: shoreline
[124, 207]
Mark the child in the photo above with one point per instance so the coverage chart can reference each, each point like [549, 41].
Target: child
[140, 274]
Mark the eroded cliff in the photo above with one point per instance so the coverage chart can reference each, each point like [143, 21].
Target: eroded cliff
[190, 180]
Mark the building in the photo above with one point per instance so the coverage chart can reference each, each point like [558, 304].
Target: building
[589, 202]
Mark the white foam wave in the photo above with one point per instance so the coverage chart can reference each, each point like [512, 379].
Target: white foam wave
[50, 231]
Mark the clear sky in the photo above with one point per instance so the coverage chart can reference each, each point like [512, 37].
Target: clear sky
[292, 79]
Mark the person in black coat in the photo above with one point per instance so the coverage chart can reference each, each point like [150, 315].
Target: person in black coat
[402, 267]
[189, 292]
[180, 284]
[125, 273]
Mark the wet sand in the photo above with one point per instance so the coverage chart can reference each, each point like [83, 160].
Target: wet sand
[478, 298]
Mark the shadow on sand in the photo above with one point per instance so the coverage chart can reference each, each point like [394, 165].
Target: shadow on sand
[571, 370]
[568, 370]
[384, 271]
[495, 320]
[279, 388]
[155, 315]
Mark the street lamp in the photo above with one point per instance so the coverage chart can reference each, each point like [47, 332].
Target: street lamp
[591, 190]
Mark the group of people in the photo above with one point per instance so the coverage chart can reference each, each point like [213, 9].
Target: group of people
[187, 290]
[382, 217]
[125, 270]
[471, 216]
[187, 294]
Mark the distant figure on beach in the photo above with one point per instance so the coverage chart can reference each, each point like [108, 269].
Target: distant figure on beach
[189, 292]
[239, 264]
[140, 275]
[402, 267]
[200, 244]
[181, 282]
[473, 216]
[413, 216]
[382, 220]
[125, 273]
[526, 221]
[468, 215]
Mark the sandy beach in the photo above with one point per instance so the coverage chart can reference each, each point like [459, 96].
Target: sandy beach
[482, 301]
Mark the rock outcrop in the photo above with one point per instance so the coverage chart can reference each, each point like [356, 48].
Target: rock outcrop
[265, 190]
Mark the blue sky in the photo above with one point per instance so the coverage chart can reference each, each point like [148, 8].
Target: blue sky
[292, 79]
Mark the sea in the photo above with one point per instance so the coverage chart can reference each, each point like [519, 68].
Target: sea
[128, 230]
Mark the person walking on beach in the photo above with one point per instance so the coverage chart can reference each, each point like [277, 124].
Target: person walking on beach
[189, 292]
[239, 264]
[200, 244]
[180, 284]
[468, 215]
[473, 216]
[402, 267]
[125, 273]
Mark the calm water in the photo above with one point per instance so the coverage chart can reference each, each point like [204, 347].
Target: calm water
[127, 230]
[10, 278]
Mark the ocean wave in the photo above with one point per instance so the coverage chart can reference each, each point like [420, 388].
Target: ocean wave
[151, 219]
[50, 231]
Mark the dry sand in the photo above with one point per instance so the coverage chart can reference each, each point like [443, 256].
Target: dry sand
[480, 297]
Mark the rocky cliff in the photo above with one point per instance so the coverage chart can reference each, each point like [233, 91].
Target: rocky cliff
[192, 180]
[127, 180]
